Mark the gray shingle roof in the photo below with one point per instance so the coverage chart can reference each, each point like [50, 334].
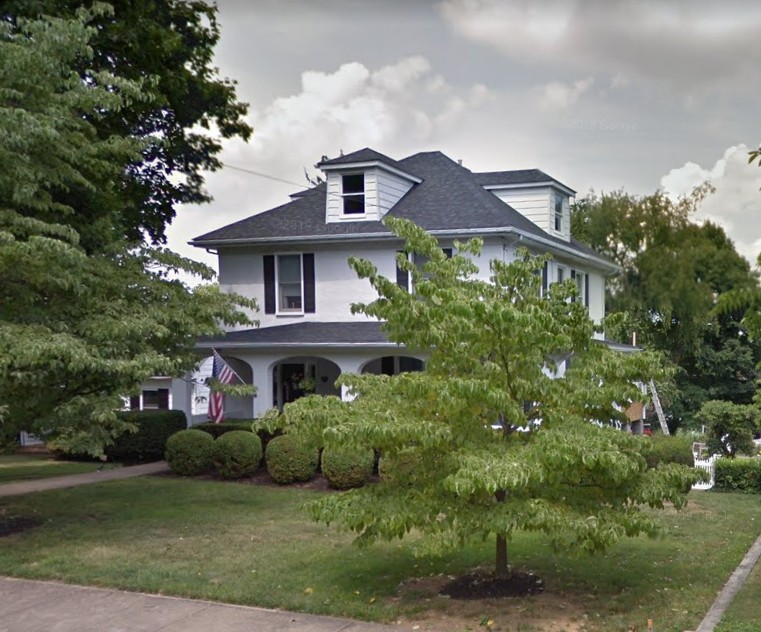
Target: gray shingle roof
[518, 176]
[449, 198]
[362, 155]
[306, 333]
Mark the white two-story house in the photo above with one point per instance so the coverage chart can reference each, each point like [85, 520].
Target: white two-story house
[293, 260]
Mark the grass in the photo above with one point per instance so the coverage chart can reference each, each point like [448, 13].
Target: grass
[744, 613]
[28, 467]
[250, 544]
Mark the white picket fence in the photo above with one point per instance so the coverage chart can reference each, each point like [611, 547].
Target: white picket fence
[708, 465]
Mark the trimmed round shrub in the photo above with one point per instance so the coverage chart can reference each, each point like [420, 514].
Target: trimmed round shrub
[346, 468]
[237, 454]
[190, 452]
[289, 460]
[669, 449]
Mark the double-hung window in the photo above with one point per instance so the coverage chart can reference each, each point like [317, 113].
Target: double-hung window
[403, 277]
[558, 213]
[353, 190]
[582, 284]
[289, 284]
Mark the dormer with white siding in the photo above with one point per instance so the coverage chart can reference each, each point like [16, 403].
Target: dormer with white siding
[363, 186]
[537, 196]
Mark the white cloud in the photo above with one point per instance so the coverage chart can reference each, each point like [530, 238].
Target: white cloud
[396, 109]
[557, 95]
[689, 47]
[736, 204]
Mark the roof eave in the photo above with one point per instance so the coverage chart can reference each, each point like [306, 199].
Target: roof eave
[364, 164]
[524, 185]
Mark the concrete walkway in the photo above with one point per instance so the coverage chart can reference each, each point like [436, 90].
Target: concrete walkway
[32, 606]
[74, 480]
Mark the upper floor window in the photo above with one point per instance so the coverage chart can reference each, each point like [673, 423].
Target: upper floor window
[403, 277]
[353, 188]
[289, 286]
[582, 283]
[289, 283]
[558, 213]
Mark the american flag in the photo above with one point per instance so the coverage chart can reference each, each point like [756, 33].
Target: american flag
[221, 372]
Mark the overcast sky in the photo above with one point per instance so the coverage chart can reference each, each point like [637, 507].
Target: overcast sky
[599, 94]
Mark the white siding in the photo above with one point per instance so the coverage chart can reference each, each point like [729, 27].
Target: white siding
[391, 189]
[532, 203]
[382, 190]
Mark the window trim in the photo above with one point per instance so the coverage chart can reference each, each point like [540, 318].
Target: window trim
[354, 194]
[279, 311]
[558, 217]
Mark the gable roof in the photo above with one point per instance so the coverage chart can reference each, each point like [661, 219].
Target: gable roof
[449, 200]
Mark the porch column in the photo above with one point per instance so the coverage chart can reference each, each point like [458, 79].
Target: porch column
[350, 364]
[262, 401]
[181, 392]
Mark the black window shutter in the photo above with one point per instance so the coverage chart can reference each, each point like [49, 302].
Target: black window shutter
[308, 270]
[134, 402]
[545, 277]
[402, 276]
[269, 284]
[163, 399]
[586, 289]
[447, 252]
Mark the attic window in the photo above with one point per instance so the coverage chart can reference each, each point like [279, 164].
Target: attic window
[558, 213]
[354, 194]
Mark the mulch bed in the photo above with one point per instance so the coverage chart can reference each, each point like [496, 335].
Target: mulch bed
[16, 524]
[483, 585]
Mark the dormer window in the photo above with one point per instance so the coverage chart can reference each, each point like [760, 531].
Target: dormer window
[558, 213]
[353, 194]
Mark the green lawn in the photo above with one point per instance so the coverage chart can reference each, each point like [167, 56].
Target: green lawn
[744, 613]
[27, 467]
[250, 544]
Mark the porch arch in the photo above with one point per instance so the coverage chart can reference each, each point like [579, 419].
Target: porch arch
[393, 365]
[297, 376]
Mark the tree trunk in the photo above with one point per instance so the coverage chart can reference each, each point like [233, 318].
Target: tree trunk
[500, 569]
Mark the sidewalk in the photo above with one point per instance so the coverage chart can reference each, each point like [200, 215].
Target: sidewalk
[74, 480]
[33, 606]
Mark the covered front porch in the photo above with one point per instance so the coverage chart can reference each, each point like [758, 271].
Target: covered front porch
[291, 361]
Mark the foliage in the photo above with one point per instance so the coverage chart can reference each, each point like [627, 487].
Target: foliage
[190, 452]
[217, 430]
[738, 475]
[290, 460]
[500, 445]
[85, 313]
[672, 312]
[237, 454]
[669, 449]
[179, 119]
[730, 427]
[346, 468]
[148, 441]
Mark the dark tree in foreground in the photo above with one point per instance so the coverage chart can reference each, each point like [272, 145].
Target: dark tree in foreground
[81, 325]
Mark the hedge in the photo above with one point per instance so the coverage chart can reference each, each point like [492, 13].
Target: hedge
[190, 452]
[148, 443]
[217, 430]
[346, 468]
[289, 461]
[669, 449]
[738, 475]
[237, 454]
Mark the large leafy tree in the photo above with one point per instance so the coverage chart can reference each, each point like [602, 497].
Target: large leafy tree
[673, 270]
[484, 442]
[184, 110]
[79, 325]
